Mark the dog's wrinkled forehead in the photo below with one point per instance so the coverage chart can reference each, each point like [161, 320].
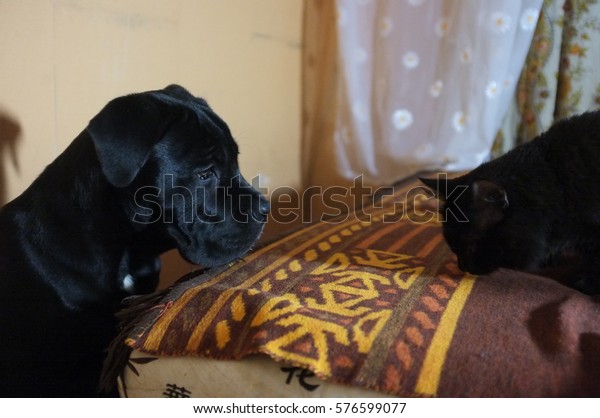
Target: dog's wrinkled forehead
[206, 116]
[217, 140]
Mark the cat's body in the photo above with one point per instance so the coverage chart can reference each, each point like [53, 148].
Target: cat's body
[526, 209]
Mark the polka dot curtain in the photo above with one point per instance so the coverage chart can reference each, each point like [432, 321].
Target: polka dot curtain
[425, 84]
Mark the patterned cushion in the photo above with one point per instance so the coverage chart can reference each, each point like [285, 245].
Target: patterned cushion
[376, 301]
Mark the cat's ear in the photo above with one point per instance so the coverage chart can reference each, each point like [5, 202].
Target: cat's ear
[489, 194]
[441, 186]
[432, 184]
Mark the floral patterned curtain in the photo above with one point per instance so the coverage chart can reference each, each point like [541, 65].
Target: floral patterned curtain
[392, 87]
[561, 76]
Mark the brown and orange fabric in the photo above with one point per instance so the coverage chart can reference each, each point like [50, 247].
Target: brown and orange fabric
[375, 300]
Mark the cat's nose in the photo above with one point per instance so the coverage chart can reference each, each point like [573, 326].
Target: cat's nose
[472, 267]
[465, 264]
[462, 265]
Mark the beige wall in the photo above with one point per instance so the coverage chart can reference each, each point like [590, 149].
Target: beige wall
[62, 60]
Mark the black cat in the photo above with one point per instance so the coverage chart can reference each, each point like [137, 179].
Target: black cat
[529, 207]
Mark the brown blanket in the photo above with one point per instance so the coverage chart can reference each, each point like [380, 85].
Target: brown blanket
[376, 300]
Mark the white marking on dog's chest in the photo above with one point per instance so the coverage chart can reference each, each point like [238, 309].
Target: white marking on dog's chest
[128, 283]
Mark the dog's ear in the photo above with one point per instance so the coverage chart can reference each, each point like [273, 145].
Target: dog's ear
[126, 130]
[177, 89]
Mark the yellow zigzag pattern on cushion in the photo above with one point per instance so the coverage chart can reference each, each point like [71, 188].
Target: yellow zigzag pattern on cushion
[309, 321]
[317, 330]
[269, 313]
[363, 339]
[354, 295]
[380, 259]
[157, 333]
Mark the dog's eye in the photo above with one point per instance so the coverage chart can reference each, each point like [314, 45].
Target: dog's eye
[205, 174]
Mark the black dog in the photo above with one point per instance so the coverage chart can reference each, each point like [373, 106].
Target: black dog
[151, 172]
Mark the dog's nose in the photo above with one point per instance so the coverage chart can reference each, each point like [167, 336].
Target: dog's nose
[263, 208]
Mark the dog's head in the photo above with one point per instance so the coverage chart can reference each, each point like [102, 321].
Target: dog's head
[174, 163]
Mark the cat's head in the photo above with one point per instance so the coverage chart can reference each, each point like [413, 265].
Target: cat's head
[472, 212]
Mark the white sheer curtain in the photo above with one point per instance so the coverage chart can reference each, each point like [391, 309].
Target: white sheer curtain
[425, 84]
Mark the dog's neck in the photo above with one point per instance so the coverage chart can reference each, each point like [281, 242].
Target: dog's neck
[83, 202]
